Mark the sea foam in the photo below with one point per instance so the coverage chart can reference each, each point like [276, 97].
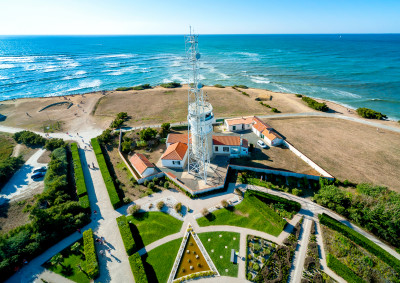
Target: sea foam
[259, 80]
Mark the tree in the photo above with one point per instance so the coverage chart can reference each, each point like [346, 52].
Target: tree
[106, 137]
[165, 127]
[160, 205]
[29, 138]
[134, 209]
[122, 116]
[147, 134]
[52, 144]
[178, 207]
[57, 260]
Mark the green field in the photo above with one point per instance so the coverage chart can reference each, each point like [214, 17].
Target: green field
[6, 145]
[218, 244]
[69, 267]
[250, 213]
[160, 260]
[155, 225]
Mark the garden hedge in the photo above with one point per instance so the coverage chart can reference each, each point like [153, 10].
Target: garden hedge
[78, 171]
[342, 270]
[126, 234]
[137, 268]
[84, 202]
[112, 192]
[92, 265]
[360, 240]
[290, 205]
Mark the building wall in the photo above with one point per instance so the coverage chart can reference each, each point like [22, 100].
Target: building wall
[170, 163]
[244, 150]
[238, 127]
[148, 171]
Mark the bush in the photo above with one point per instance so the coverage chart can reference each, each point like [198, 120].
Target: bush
[137, 267]
[342, 270]
[360, 240]
[289, 205]
[126, 146]
[78, 171]
[8, 167]
[170, 85]
[315, 104]
[275, 110]
[106, 137]
[205, 212]
[112, 192]
[160, 205]
[297, 192]
[147, 134]
[29, 138]
[240, 86]
[370, 114]
[141, 87]
[151, 185]
[219, 86]
[126, 234]
[92, 265]
[133, 209]
[84, 202]
[52, 144]
[224, 204]
[298, 95]
[165, 128]
[124, 88]
[178, 207]
[166, 185]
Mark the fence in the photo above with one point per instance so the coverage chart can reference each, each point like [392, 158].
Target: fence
[313, 165]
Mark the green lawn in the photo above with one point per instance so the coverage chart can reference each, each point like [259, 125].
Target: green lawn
[250, 213]
[69, 265]
[155, 225]
[6, 145]
[218, 244]
[160, 260]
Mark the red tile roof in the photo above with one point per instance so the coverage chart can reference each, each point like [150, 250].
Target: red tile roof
[271, 134]
[260, 125]
[140, 163]
[228, 140]
[237, 121]
[174, 138]
[175, 151]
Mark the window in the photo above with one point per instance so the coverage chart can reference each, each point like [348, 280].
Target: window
[225, 149]
[234, 128]
[216, 148]
[176, 162]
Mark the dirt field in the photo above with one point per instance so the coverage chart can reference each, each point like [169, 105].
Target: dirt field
[345, 149]
[12, 215]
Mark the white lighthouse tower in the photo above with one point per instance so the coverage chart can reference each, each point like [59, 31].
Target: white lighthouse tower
[200, 116]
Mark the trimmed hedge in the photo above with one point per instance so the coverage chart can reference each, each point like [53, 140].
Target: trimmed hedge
[84, 202]
[290, 205]
[92, 265]
[137, 268]
[342, 270]
[112, 192]
[78, 171]
[126, 234]
[360, 240]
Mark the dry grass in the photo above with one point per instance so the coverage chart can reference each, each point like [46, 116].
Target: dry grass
[12, 215]
[347, 150]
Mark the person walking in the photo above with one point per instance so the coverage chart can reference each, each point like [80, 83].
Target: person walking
[102, 253]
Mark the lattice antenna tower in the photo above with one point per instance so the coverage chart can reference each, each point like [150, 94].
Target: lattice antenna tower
[200, 115]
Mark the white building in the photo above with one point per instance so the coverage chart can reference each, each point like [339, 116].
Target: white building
[142, 165]
[234, 146]
[175, 156]
[239, 124]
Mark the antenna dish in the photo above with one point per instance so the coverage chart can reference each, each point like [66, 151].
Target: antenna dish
[199, 85]
[198, 56]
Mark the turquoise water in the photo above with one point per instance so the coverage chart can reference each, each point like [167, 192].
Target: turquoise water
[355, 70]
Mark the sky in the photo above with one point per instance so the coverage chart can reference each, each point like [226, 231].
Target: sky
[59, 17]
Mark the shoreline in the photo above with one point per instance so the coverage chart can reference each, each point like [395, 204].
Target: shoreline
[106, 92]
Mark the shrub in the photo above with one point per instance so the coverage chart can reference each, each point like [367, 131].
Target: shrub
[133, 209]
[147, 134]
[315, 104]
[224, 204]
[124, 88]
[92, 265]
[137, 267]
[370, 114]
[240, 86]
[106, 137]
[151, 185]
[275, 110]
[166, 185]
[84, 202]
[289, 205]
[29, 138]
[8, 167]
[112, 192]
[342, 270]
[146, 183]
[256, 267]
[219, 86]
[141, 87]
[297, 192]
[205, 212]
[126, 146]
[52, 144]
[360, 240]
[170, 85]
[126, 234]
[165, 128]
[178, 207]
[298, 95]
[78, 171]
[160, 205]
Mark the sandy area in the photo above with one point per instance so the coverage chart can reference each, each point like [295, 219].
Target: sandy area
[347, 150]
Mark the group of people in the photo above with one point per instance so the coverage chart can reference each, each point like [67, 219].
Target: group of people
[102, 241]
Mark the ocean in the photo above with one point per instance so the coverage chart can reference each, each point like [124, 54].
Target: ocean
[353, 70]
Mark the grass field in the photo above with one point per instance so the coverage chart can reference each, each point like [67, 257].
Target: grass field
[6, 145]
[216, 248]
[155, 225]
[346, 149]
[68, 267]
[159, 261]
[247, 214]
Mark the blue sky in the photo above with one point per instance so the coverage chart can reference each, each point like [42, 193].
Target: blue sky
[208, 17]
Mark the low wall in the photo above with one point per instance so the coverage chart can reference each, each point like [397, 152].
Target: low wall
[277, 172]
[307, 160]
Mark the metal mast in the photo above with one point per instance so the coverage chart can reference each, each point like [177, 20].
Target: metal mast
[200, 115]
